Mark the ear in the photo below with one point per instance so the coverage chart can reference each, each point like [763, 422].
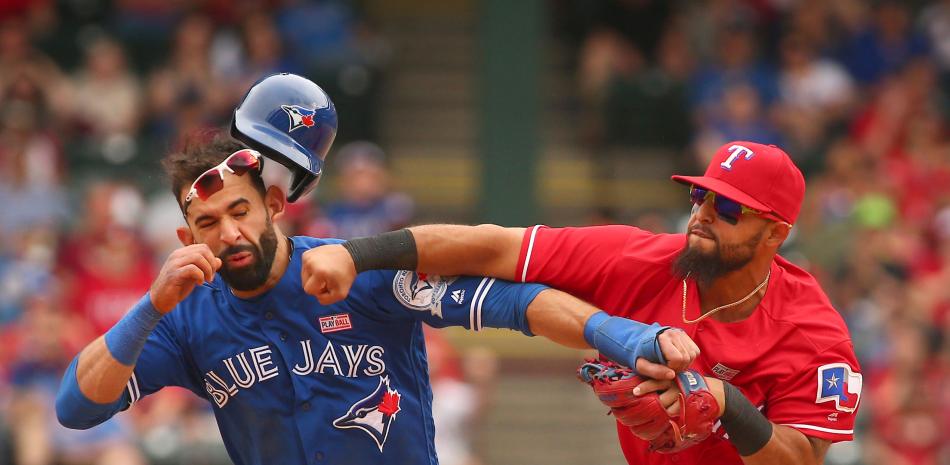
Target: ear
[185, 236]
[276, 202]
[777, 233]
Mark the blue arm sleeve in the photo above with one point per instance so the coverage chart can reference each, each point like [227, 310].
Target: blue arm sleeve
[160, 363]
[126, 339]
[75, 410]
[471, 302]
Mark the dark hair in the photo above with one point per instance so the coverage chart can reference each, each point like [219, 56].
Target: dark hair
[199, 153]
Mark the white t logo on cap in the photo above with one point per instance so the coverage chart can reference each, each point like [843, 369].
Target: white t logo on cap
[736, 151]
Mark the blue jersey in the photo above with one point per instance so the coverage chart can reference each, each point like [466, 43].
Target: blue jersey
[292, 381]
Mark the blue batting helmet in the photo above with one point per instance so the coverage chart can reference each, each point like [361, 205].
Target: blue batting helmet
[291, 120]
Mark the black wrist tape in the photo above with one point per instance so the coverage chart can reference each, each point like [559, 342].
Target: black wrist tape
[748, 429]
[394, 250]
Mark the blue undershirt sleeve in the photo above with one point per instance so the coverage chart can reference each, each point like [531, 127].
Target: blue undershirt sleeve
[75, 410]
[159, 361]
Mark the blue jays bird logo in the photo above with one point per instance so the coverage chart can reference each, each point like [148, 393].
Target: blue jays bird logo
[300, 117]
[420, 291]
[419, 283]
[374, 413]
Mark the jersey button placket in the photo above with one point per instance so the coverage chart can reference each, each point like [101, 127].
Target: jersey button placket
[305, 406]
[319, 456]
[269, 315]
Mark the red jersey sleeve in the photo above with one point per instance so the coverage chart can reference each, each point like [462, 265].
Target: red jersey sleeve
[574, 260]
[821, 399]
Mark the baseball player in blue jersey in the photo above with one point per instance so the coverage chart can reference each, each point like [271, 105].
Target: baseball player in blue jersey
[232, 315]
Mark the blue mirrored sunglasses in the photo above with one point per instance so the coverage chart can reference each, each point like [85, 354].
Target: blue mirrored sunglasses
[726, 209]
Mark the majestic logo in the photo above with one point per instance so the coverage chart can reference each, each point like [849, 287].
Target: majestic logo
[836, 382]
[723, 372]
[300, 117]
[334, 323]
[421, 291]
[374, 414]
[736, 151]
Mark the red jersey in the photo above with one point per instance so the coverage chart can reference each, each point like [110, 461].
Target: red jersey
[792, 357]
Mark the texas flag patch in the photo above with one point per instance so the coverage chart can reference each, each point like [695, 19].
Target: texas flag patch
[836, 382]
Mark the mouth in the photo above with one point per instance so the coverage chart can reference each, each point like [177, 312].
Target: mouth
[240, 259]
[700, 233]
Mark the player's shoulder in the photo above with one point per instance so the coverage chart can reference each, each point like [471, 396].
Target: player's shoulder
[653, 248]
[307, 242]
[634, 243]
[798, 301]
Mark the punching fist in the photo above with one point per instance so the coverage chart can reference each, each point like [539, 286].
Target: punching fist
[184, 269]
[328, 273]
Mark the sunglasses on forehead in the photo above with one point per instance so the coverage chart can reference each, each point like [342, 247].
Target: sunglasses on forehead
[727, 209]
[212, 181]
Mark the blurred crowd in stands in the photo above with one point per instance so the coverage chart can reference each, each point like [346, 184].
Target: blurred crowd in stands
[92, 94]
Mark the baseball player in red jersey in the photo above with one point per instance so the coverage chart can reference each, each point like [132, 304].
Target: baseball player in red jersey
[776, 355]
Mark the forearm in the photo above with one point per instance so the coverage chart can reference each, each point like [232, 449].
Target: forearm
[101, 378]
[759, 441]
[560, 317]
[93, 384]
[786, 447]
[572, 322]
[90, 396]
[483, 250]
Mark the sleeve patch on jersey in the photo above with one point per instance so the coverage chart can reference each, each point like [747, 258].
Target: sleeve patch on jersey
[837, 382]
[421, 291]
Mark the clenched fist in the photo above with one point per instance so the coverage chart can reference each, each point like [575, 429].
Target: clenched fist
[184, 269]
[678, 349]
[328, 273]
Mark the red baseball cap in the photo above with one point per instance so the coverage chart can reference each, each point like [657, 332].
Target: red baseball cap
[758, 176]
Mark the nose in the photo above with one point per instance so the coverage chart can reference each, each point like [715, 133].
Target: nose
[230, 234]
[705, 213]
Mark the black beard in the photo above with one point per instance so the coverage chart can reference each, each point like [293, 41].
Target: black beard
[253, 276]
[707, 267]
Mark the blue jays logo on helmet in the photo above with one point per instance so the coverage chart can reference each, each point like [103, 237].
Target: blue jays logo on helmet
[374, 413]
[268, 119]
[300, 117]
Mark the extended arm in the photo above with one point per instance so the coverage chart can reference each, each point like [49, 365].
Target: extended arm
[483, 250]
[481, 302]
[571, 322]
[448, 250]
